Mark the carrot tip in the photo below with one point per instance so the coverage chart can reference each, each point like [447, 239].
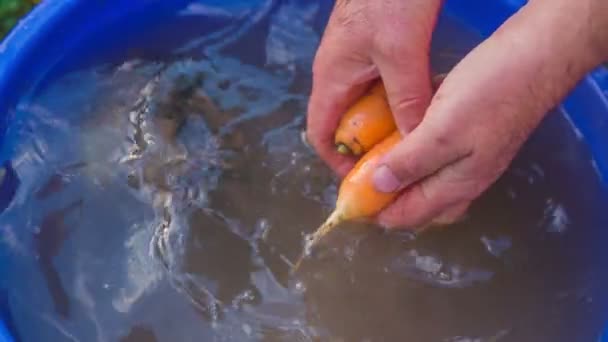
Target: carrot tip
[343, 149]
[332, 222]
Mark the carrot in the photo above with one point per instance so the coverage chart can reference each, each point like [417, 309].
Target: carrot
[369, 120]
[357, 197]
[365, 123]
[367, 128]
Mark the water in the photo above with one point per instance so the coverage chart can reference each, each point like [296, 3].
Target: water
[166, 199]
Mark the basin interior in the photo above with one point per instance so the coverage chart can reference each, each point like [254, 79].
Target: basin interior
[164, 193]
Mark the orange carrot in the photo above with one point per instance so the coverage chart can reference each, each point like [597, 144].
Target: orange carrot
[369, 120]
[365, 123]
[367, 128]
[357, 197]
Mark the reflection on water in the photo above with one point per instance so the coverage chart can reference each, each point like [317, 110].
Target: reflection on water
[167, 200]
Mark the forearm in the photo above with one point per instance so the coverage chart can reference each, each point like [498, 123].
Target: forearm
[599, 28]
[578, 29]
[542, 51]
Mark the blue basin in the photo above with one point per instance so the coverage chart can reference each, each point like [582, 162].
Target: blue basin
[63, 35]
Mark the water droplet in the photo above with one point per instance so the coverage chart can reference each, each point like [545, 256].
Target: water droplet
[496, 246]
[428, 264]
[247, 329]
[299, 288]
[349, 252]
[262, 228]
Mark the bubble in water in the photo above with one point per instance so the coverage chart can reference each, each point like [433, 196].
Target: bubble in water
[262, 229]
[299, 288]
[496, 246]
[294, 158]
[246, 296]
[247, 329]
[304, 139]
[428, 264]
[349, 252]
[555, 217]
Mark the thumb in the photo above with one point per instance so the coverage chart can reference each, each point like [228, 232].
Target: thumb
[421, 153]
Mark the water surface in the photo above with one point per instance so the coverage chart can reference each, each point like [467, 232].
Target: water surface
[166, 199]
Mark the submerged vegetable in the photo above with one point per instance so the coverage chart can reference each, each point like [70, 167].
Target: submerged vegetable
[367, 129]
[369, 120]
[357, 197]
[365, 123]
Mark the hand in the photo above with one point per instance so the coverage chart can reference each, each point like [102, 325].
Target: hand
[480, 116]
[487, 107]
[365, 40]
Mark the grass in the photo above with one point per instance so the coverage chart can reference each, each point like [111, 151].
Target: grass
[10, 13]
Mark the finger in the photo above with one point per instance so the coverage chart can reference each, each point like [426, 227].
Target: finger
[427, 149]
[404, 63]
[441, 198]
[408, 86]
[412, 210]
[341, 74]
[451, 215]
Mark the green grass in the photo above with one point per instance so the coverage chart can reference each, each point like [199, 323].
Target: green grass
[10, 13]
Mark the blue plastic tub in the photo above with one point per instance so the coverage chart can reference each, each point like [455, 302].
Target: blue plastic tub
[56, 37]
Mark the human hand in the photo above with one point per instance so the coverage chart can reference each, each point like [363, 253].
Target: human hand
[365, 40]
[488, 106]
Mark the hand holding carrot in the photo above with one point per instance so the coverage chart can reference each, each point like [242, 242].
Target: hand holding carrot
[460, 141]
[365, 40]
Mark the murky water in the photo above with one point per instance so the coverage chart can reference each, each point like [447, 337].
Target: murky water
[166, 200]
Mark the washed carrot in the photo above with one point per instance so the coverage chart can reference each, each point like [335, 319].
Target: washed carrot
[357, 197]
[369, 120]
[367, 129]
[365, 123]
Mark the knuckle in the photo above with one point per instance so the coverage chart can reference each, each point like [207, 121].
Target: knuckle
[444, 139]
[409, 105]
[451, 141]
[349, 17]
[390, 43]
[388, 47]
[408, 168]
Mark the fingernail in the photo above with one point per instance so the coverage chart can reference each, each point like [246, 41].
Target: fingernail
[385, 180]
